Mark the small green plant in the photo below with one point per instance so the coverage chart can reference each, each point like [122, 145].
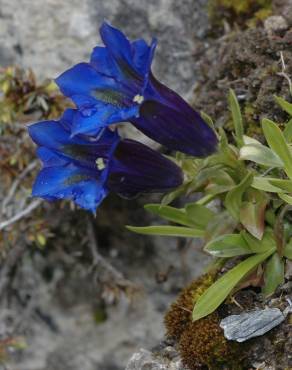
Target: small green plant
[253, 183]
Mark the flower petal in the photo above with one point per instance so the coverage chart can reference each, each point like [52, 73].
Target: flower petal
[102, 61]
[143, 56]
[91, 121]
[116, 42]
[83, 79]
[184, 131]
[70, 182]
[135, 168]
[50, 158]
[52, 135]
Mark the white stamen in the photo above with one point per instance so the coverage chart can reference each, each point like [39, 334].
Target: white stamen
[100, 164]
[138, 99]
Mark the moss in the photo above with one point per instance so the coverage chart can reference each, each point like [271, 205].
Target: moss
[259, 17]
[179, 315]
[200, 343]
[246, 13]
[203, 344]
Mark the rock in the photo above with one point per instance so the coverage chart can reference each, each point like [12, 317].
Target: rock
[251, 324]
[56, 34]
[275, 24]
[146, 360]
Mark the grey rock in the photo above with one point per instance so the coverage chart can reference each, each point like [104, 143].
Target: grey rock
[275, 24]
[252, 324]
[52, 35]
[145, 360]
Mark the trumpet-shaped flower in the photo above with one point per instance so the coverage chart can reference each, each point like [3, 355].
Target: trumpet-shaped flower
[118, 85]
[86, 169]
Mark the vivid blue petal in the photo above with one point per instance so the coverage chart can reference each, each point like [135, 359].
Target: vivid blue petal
[143, 56]
[51, 158]
[49, 133]
[91, 121]
[70, 182]
[136, 168]
[177, 130]
[103, 62]
[83, 79]
[116, 42]
[52, 135]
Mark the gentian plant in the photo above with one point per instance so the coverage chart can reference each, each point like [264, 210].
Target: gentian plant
[84, 159]
[253, 184]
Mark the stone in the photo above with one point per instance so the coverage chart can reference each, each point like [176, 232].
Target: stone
[146, 360]
[275, 24]
[57, 34]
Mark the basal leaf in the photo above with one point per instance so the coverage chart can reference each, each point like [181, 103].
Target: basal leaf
[288, 250]
[222, 223]
[264, 183]
[168, 198]
[278, 144]
[218, 292]
[288, 131]
[260, 154]
[286, 106]
[199, 215]
[166, 230]
[236, 117]
[228, 245]
[282, 184]
[233, 199]
[214, 180]
[260, 246]
[286, 198]
[170, 213]
[250, 140]
[220, 183]
[252, 213]
[207, 119]
[274, 274]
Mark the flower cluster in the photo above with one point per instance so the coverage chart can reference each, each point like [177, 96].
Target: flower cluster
[83, 156]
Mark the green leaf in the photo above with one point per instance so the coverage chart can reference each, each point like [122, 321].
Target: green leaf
[236, 117]
[207, 119]
[288, 250]
[220, 183]
[286, 198]
[252, 213]
[260, 246]
[247, 140]
[170, 213]
[282, 184]
[287, 107]
[214, 179]
[218, 292]
[168, 198]
[274, 274]
[233, 199]
[260, 154]
[206, 199]
[222, 223]
[288, 131]
[264, 183]
[228, 245]
[166, 230]
[199, 215]
[277, 143]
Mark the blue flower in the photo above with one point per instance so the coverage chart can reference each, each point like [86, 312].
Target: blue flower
[86, 169]
[118, 85]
